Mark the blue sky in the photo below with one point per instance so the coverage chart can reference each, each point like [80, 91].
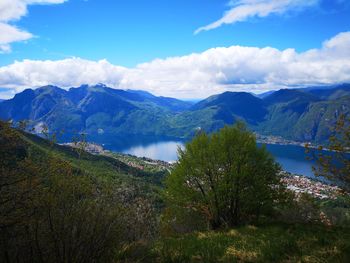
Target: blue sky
[129, 32]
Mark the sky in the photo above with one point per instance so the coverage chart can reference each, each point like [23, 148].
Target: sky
[177, 48]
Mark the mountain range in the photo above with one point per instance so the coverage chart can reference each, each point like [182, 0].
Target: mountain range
[298, 114]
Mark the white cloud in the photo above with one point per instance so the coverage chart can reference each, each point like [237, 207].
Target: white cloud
[9, 34]
[197, 75]
[64, 73]
[12, 10]
[241, 10]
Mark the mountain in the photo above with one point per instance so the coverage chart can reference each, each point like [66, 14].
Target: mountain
[304, 115]
[332, 93]
[265, 94]
[91, 108]
[169, 103]
[289, 95]
[297, 114]
[294, 114]
[233, 105]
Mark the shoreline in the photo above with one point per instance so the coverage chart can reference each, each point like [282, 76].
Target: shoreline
[278, 140]
[297, 183]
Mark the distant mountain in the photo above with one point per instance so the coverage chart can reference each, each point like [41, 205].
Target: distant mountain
[289, 95]
[297, 114]
[291, 113]
[305, 115]
[232, 105]
[169, 103]
[91, 108]
[265, 94]
[323, 87]
[333, 93]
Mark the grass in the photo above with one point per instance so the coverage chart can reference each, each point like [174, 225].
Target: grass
[268, 243]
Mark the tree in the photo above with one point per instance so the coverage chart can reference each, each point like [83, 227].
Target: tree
[335, 163]
[51, 210]
[17, 178]
[80, 143]
[225, 178]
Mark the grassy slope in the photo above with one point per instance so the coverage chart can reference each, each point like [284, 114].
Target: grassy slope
[269, 243]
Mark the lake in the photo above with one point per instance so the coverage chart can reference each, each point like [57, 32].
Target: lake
[291, 158]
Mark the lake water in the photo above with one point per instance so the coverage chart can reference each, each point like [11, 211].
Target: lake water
[291, 158]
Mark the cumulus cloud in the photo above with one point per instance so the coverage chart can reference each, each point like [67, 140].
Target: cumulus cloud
[198, 75]
[241, 10]
[63, 73]
[12, 10]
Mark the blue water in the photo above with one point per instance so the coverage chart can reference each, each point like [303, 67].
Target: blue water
[291, 158]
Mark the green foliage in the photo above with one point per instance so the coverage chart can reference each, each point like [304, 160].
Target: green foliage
[337, 211]
[301, 209]
[59, 204]
[335, 165]
[266, 243]
[56, 207]
[225, 178]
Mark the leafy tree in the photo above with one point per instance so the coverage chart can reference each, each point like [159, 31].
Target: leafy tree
[224, 178]
[335, 163]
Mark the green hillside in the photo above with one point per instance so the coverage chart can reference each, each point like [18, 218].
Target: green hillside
[61, 204]
[99, 166]
[58, 203]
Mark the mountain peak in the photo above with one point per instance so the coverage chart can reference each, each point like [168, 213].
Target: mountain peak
[26, 92]
[241, 104]
[286, 95]
[50, 89]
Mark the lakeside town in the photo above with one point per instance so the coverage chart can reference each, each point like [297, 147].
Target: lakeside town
[297, 183]
[278, 140]
[303, 185]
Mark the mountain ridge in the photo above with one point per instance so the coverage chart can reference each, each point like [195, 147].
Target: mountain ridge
[297, 114]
